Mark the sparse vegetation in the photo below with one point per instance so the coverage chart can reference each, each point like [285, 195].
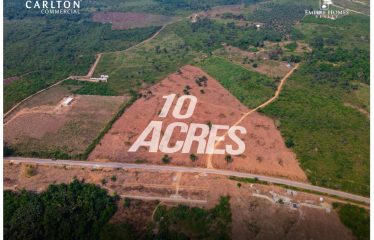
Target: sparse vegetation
[355, 218]
[228, 158]
[138, 66]
[122, 109]
[60, 51]
[193, 157]
[184, 222]
[249, 87]
[248, 180]
[113, 178]
[140, 161]
[127, 202]
[166, 159]
[30, 170]
[202, 81]
[186, 90]
[291, 46]
[289, 142]
[333, 149]
[209, 123]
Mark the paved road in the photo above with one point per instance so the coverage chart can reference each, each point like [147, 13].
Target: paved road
[147, 167]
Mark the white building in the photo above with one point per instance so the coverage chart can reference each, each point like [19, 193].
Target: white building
[67, 101]
[102, 78]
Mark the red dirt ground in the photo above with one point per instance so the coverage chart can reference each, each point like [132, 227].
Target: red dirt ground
[127, 20]
[47, 125]
[265, 151]
[252, 217]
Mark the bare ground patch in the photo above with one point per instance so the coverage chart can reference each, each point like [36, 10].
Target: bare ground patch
[265, 152]
[128, 20]
[255, 61]
[47, 126]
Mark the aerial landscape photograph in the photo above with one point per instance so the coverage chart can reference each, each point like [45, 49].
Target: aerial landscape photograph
[186, 119]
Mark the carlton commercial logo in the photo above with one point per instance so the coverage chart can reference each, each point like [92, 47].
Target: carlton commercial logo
[55, 7]
[325, 11]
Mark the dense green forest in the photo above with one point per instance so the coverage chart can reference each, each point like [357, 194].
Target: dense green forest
[355, 218]
[65, 211]
[82, 211]
[41, 50]
[207, 35]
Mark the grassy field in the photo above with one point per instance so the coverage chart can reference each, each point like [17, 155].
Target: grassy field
[145, 64]
[42, 49]
[184, 222]
[56, 56]
[331, 140]
[250, 88]
[350, 32]
[355, 218]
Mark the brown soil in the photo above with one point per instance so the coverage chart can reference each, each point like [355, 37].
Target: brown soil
[252, 217]
[257, 218]
[265, 150]
[10, 79]
[127, 20]
[56, 127]
[50, 97]
[138, 214]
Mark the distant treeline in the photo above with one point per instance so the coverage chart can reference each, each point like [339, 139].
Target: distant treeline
[73, 211]
[54, 47]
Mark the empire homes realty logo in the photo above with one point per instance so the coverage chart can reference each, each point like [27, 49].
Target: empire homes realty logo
[325, 10]
[55, 6]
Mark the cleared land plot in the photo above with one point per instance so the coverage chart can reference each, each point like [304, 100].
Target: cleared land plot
[255, 61]
[45, 127]
[265, 150]
[128, 20]
[259, 60]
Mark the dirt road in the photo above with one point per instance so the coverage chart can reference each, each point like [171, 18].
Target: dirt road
[24, 100]
[90, 72]
[93, 67]
[272, 99]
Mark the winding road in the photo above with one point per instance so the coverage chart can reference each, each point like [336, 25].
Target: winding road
[270, 100]
[147, 167]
